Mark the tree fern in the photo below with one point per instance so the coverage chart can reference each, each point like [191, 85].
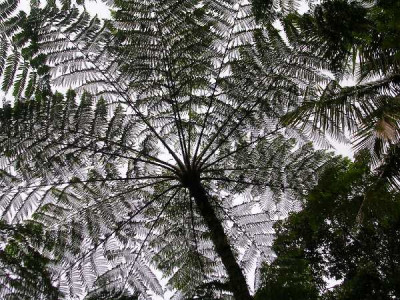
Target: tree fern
[174, 158]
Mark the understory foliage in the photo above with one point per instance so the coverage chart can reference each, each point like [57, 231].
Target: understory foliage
[167, 154]
[349, 231]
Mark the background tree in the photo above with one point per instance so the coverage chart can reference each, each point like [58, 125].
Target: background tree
[358, 39]
[173, 158]
[349, 230]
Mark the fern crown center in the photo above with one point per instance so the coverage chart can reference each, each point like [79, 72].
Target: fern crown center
[189, 176]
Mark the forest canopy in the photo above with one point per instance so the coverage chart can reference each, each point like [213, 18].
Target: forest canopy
[348, 231]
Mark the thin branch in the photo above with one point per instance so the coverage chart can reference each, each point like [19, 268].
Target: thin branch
[105, 200]
[215, 86]
[129, 102]
[236, 169]
[70, 145]
[78, 181]
[147, 236]
[190, 124]
[224, 179]
[126, 147]
[238, 123]
[119, 227]
[175, 108]
[202, 168]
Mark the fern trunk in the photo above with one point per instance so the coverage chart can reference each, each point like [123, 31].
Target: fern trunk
[237, 281]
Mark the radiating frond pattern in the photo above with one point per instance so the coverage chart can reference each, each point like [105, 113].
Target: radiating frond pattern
[173, 159]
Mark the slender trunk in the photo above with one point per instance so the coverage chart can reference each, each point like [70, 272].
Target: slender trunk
[237, 281]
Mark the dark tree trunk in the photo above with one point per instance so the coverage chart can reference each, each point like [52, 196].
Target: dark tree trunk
[237, 281]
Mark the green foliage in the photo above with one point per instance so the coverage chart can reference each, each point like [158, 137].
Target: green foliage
[18, 46]
[24, 270]
[261, 8]
[348, 231]
[168, 155]
[36, 46]
[10, 70]
[333, 28]
[7, 8]
[389, 170]
[356, 38]
[288, 277]
[111, 295]
[339, 29]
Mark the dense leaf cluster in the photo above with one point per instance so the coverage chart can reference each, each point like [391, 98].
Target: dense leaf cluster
[357, 38]
[24, 272]
[349, 231]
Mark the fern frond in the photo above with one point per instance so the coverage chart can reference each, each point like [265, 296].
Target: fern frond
[10, 69]
[7, 8]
